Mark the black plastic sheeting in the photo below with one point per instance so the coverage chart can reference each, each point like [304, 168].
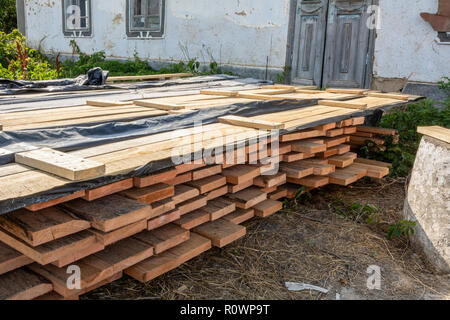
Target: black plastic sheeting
[94, 79]
[79, 138]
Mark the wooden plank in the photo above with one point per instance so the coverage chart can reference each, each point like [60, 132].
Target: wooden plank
[349, 130]
[162, 206]
[251, 123]
[342, 161]
[373, 162]
[267, 208]
[43, 226]
[97, 267]
[240, 174]
[209, 183]
[281, 192]
[51, 203]
[155, 178]
[11, 259]
[164, 238]
[270, 181]
[319, 169]
[110, 212]
[335, 141]
[206, 172]
[308, 147]
[363, 140]
[22, 284]
[61, 164]
[107, 103]
[218, 208]
[304, 134]
[193, 219]
[247, 198]
[373, 171]
[221, 232]
[295, 156]
[108, 189]
[164, 219]
[180, 178]
[335, 132]
[224, 93]
[51, 251]
[343, 104]
[388, 96]
[78, 255]
[211, 195]
[310, 181]
[240, 215]
[436, 132]
[184, 193]
[185, 167]
[158, 105]
[107, 238]
[295, 172]
[153, 267]
[348, 91]
[192, 204]
[347, 175]
[150, 194]
[377, 130]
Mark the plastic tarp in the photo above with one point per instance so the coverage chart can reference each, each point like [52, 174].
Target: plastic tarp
[72, 138]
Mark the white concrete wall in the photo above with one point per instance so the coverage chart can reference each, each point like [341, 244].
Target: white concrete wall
[406, 45]
[234, 32]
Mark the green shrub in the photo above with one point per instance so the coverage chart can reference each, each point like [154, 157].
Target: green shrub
[8, 18]
[426, 112]
[18, 62]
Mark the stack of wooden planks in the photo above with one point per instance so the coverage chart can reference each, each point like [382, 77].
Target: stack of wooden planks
[147, 225]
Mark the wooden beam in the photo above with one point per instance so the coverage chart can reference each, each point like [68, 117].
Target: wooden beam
[349, 91]
[436, 132]
[213, 92]
[388, 96]
[158, 105]
[107, 103]
[251, 123]
[342, 104]
[61, 164]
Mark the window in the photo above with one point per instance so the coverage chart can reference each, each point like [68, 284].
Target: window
[77, 18]
[145, 18]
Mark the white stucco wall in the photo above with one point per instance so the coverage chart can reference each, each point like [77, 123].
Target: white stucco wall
[234, 32]
[406, 46]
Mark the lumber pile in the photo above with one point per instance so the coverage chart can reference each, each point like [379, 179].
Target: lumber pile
[148, 225]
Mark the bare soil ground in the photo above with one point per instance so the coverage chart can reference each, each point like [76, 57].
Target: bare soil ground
[307, 242]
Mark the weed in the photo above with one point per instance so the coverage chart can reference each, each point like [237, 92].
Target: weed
[357, 212]
[401, 228]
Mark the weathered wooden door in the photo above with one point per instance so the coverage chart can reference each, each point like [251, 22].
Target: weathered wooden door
[309, 41]
[332, 43]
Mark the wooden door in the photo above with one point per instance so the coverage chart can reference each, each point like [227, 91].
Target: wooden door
[347, 44]
[331, 43]
[309, 42]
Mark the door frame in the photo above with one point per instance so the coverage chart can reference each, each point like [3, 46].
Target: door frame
[290, 46]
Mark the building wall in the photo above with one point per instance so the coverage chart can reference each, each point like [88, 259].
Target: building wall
[406, 47]
[237, 33]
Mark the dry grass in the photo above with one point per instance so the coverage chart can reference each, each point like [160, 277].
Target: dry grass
[303, 243]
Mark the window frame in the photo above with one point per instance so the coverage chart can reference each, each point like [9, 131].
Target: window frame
[84, 32]
[144, 33]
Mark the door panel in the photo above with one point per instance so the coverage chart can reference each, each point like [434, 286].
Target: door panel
[309, 42]
[347, 44]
